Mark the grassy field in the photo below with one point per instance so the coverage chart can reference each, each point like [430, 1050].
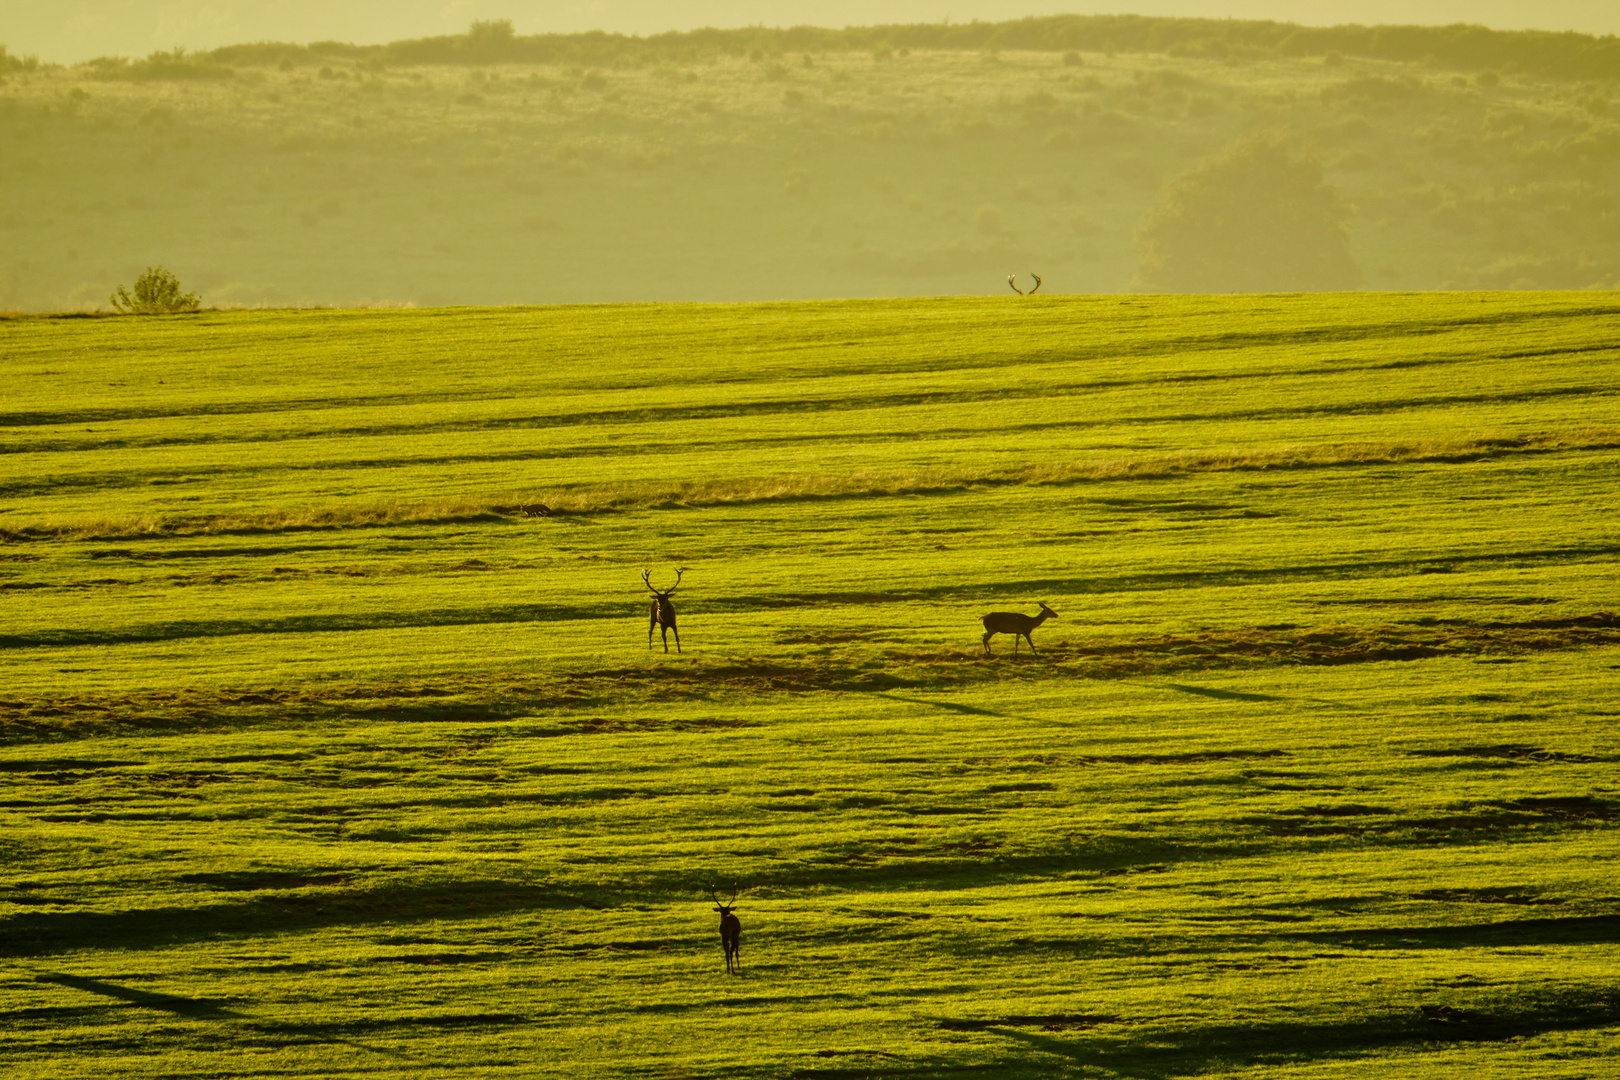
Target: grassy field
[319, 758]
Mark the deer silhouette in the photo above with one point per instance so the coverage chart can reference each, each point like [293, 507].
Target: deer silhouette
[730, 930]
[1011, 622]
[663, 612]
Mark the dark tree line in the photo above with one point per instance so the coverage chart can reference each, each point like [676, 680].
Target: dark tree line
[1558, 55]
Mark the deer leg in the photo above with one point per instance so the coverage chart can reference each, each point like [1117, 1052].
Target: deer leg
[988, 634]
[677, 630]
[664, 634]
[1031, 642]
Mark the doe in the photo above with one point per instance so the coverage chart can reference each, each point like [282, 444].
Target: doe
[730, 931]
[1011, 622]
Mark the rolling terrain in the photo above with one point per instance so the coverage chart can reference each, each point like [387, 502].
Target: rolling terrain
[489, 168]
[319, 757]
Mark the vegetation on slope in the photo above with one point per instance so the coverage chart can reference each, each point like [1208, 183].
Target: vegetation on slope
[758, 164]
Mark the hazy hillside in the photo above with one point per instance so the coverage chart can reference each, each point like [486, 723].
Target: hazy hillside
[490, 168]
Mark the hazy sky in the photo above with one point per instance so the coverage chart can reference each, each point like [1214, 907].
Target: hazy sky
[66, 31]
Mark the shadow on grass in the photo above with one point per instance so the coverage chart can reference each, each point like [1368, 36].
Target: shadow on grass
[948, 706]
[1223, 695]
[1157, 1052]
[33, 933]
[1506, 933]
[278, 1034]
[196, 1008]
[298, 624]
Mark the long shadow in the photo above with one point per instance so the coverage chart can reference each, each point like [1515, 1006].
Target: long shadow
[38, 933]
[948, 706]
[196, 1008]
[1153, 581]
[1223, 695]
[716, 410]
[1157, 1052]
[1241, 695]
[237, 552]
[303, 624]
[1571, 930]
[47, 932]
[1068, 353]
[202, 1009]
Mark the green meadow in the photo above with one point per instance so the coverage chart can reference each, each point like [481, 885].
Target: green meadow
[331, 743]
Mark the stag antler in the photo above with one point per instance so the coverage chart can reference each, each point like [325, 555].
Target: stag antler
[1015, 288]
[1037, 278]
[679, 570]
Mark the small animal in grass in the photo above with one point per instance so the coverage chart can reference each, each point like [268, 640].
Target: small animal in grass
[1011, 622]
[730, 930]
[662, 614]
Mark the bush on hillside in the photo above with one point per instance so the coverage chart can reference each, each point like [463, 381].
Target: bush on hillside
[9, 62]
[157, 292]
[1253, 218]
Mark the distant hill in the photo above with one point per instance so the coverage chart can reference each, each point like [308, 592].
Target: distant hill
[490, 167]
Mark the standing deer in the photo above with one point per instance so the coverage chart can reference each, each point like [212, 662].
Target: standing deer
[730, 930]
[1011, 622]
[663, 612]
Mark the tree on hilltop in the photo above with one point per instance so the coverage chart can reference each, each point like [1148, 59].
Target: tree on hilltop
[157, 292]
[1252, 218]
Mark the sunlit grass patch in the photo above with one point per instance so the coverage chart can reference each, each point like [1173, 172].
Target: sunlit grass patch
[321, 754]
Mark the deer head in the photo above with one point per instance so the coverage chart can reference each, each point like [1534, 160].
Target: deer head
[724, 909]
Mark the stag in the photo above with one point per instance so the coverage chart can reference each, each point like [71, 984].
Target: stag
[1011, 622]
[663, 612]
[730, 930]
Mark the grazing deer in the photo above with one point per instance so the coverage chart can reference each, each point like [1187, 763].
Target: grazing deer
[730, 930]
[1011, 622]
[663, 612]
